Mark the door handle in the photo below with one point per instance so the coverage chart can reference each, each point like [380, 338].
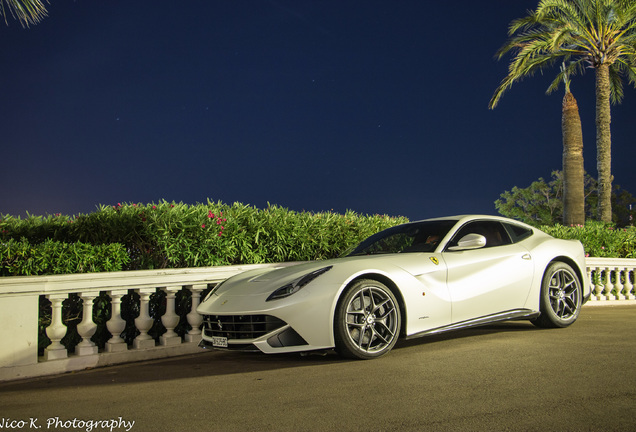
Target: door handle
[526, 257]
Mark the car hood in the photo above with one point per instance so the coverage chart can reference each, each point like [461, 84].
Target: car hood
[264, 281]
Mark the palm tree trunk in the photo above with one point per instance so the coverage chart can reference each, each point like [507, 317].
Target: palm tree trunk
[573, 170]
[603, 143]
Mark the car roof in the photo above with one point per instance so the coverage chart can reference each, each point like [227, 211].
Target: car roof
[469, 217]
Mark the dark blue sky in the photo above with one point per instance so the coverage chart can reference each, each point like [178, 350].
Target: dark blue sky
[377, 106]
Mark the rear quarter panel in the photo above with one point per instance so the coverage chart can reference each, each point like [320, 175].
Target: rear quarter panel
[546, 249]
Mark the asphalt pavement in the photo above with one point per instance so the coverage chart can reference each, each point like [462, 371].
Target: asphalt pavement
[506, 377]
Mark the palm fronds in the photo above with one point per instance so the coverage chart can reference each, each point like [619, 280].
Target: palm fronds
[581, 33]
[27, 12]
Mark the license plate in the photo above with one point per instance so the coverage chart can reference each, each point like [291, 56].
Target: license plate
[220, 342]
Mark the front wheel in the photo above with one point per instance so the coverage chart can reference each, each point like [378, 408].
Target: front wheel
[367, 320]
[561, 296]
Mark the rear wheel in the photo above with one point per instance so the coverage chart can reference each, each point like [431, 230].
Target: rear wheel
[367, 320]
[561, 296]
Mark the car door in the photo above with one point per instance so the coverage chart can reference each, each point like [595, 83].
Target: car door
[488, 280]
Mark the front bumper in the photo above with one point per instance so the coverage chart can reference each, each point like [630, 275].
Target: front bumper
[248, 332]
[264, 333]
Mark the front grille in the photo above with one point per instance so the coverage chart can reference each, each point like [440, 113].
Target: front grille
[240, 326]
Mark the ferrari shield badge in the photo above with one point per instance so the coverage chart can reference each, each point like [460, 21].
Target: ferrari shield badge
[435, 260]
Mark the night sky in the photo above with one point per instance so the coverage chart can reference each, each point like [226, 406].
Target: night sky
[377, 106]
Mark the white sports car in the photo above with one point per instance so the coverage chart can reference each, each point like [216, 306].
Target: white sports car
[410, 280]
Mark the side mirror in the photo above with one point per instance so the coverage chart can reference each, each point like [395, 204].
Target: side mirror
[469, 241]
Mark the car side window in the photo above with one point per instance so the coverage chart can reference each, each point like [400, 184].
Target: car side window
[493, 231]
[518, 232]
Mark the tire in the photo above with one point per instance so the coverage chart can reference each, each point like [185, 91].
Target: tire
[367, 320]
[561, 297]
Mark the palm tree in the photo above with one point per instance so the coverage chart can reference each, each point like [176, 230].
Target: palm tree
[573, 169]
[25, 11]
[598, 34]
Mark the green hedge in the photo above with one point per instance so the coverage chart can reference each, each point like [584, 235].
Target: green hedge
[175, 235]
[20, 258]
[134, 236]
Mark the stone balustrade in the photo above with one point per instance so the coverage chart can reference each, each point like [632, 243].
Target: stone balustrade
[612, 282]
[611, 279]
[19, 311]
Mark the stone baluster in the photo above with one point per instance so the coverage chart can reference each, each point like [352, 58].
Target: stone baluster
[598, 287]
[144, 321]
[170, 319]
[609, 286]
[601, 283]
[86, 329]
[590, 278]
[629, 286]
[194, 318]
[116, 325]
[56, 330]
[619, 284]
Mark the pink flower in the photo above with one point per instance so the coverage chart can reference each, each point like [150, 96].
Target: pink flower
[221, 233]
[203, 226]
[210, 214]
[154, 207]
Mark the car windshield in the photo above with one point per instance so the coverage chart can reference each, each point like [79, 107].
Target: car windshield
[412, 237]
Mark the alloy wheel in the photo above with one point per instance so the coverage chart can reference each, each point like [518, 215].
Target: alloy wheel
[564, 294]
[372, 320]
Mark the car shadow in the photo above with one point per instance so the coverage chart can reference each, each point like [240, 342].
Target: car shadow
[207, 363]
[217, 363]
[502, 327]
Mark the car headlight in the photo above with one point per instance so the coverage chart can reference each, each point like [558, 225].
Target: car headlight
[295, 285]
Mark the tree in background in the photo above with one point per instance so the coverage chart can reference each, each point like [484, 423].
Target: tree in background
[25, 11]
[573, 169]
[598, 34]
[541, 203]
[538, 204]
